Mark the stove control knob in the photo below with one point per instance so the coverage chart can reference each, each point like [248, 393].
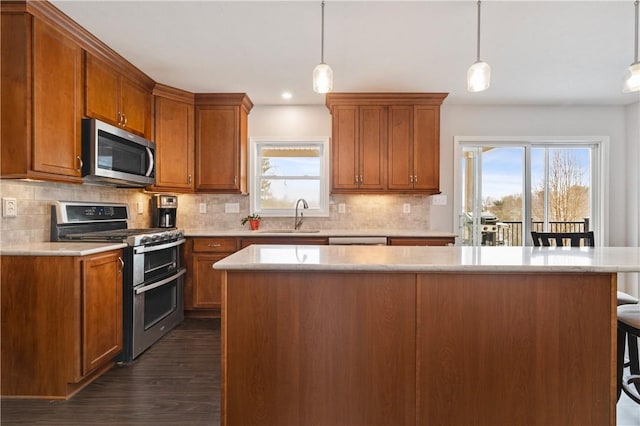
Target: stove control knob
[155, 237]
[144, 240]
[179, 234]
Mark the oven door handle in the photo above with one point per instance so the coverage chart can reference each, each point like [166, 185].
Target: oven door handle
[147, 249]
[160, 283]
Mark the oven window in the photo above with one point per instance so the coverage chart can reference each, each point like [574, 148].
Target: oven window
[158, 263]
[160, 302]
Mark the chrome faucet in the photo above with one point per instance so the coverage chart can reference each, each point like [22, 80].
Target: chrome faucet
[297, 223]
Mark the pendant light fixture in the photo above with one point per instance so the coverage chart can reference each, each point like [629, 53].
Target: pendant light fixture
[632, 74]
[322, 74]
[479, 74]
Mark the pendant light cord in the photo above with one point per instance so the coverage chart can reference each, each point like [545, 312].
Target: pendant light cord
[478, 46]
[322, 35]
[635, 42]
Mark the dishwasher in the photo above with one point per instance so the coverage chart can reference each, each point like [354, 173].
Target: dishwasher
[357, 241]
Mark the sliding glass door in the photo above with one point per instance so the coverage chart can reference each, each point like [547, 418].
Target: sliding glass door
[508, 189]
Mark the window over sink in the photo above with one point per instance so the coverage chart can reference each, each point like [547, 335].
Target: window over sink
[285, 170]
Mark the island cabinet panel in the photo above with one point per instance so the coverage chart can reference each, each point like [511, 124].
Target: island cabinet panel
[221, 142]
[61, 322]
[41, 101]
[316, 349]
[498, 349]
[174, 138]
[116, 99]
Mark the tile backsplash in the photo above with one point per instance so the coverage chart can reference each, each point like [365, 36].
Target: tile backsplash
[361, 211]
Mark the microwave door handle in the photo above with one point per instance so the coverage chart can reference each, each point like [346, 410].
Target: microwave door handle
[146, 249]
[144, 288]
[151, 162]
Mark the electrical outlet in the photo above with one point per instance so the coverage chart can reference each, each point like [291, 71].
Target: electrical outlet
[232, 208]
[140, 207]
[406, 208]
[342, 208]
[9, 207]
[203, 207]
[439, 200]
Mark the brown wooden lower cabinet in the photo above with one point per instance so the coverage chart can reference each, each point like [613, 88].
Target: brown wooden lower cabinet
[430, 241]
[61, 322]
[330, 348]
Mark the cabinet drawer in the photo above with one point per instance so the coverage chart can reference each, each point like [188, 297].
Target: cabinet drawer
[215, 245]
[433, 241]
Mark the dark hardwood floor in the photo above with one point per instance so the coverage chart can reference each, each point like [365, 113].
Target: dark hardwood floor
[175, 382]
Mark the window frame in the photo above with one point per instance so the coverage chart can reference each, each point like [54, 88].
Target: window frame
[599, 172]
[255, 143]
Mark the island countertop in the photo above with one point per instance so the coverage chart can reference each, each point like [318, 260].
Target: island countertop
[433, 259]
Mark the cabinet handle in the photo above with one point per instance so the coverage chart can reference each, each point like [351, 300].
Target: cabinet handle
[214, 245]
[125, 120]
[189, 179]
[361, 180]
[79, 162]
[121, 263]
[235, 180]
[415, 179]
[119, 118]
[410, 178]
[356, 178]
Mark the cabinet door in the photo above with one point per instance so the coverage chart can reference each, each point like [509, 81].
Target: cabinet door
[218, 148]
[102, 91]
[426, 148]
[101, 309]
[174, 144]
[345, 171]
[57, 100]
[135, 107]
[373, 147]
[400, 147]
[207, 282]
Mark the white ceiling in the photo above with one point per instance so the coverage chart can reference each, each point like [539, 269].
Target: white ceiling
[540, 52]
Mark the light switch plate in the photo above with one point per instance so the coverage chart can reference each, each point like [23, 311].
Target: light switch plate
[203, 207]
[439, 200]
[9, 207]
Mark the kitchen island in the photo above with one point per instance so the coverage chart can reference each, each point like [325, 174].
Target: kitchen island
[338, 335]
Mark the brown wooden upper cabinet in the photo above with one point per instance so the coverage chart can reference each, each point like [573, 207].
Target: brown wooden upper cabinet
[116, 99]
[221, 142]
[385, 142]
[41, 99]
[174, 138]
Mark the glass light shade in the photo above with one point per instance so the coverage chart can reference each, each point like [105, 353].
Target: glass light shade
[632, 78]
[478, 77]
[322, 78]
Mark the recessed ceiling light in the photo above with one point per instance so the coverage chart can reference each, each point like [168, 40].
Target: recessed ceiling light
[286, 95]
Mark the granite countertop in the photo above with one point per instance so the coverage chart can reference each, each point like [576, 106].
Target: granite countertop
[433, 259]
[58, 249]
[318, 233]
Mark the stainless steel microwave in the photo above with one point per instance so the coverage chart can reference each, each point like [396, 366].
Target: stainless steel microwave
[114, 156]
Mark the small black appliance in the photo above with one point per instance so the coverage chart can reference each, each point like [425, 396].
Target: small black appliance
[164, 210]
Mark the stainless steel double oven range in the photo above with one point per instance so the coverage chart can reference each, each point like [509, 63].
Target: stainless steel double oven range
[152, 276]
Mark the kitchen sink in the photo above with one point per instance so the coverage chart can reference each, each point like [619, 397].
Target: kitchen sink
[288, 231]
